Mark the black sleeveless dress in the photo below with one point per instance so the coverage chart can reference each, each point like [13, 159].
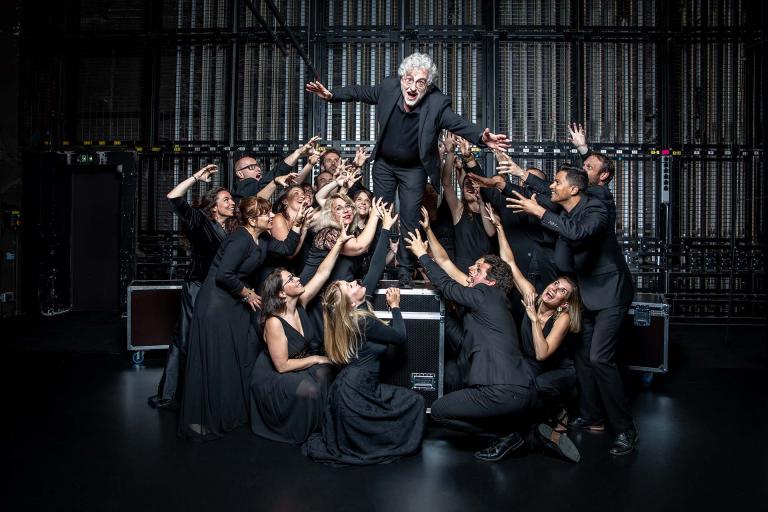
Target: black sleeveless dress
[288, 407]
[472, 241]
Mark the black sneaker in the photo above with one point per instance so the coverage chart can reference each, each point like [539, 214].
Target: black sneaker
[501, 448]
[625, 443]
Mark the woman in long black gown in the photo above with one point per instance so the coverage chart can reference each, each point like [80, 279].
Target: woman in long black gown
[223, 344]
[365, 422]
[289, 385]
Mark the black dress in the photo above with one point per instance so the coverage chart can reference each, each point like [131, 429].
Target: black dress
[472, 241]
[287, 407]
[222, 343]
[367, 422]
[556, 375]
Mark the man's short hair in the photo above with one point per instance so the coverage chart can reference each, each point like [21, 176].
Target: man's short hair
[327, 152]
[606, 165]
[419, 61]
[499, 271]
[575, 176]
[538, 172]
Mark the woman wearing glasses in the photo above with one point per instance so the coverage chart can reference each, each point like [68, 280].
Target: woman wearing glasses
[222, 341]
[289, 385]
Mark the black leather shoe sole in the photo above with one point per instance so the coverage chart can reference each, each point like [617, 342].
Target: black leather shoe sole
[623, 449]
[558, 443]
[495, 456]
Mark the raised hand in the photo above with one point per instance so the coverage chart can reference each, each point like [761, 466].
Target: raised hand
[415, 244]
[314, 156]
[577, 135]
[495, 140]
[344, 235]
[309, 145]
[485, 182]
[387, 219]
[510, 167]
[521, 204]
[491, 215]
[362, 154]
[353, 178]
[205, 173]
[464, 146]
[449, 142]
[424, 219]
[529, 302]
[319, 90]
[378, 207]
[286, 179]
[303, 217]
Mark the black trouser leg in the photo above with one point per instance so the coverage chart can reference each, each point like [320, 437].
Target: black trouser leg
[590, 407]
[555, 386]
[602, 358]
[173, 373]
[481, 409]
[410, 183]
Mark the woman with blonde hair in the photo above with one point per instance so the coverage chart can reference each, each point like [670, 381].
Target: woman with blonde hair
[365, 422]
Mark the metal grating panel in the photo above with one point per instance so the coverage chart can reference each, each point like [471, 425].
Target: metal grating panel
[461, 70]
[97, 15]
[620, 92]
[271, 102]
[619, 13]
[635, 190]
[533, 13]
[443, 13]
[362, 13]
[42, 83]
[356, 64]
[705, 199]
[717, 13]
[294, 12]
[109, 98]
[194, 14]
[711, 109]
[534, 90]
[193, 94]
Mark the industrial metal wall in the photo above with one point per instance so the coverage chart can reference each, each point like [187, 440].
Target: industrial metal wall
[671, 90]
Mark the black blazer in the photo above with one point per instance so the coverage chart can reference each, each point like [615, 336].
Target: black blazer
[490, 341]
[436, 115]
[589, 242]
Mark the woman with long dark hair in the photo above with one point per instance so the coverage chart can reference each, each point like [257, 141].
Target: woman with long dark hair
[365, 422]
[222, 342]
[289, 384]
[205, 224]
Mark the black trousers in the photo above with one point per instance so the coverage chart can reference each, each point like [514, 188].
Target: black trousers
[482, 409]
[408, 183]
[600, 384]
[173, 373]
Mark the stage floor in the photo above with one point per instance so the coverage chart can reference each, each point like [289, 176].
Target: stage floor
[78, 435]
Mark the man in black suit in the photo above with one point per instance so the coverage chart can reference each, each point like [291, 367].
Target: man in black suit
[587, 244]
[410, 113]
[498, 381]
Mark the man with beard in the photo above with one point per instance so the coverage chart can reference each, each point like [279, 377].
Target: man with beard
[410, 113]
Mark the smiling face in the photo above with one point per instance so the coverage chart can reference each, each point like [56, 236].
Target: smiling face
[225, 205]
[561, 189]
[263, 221]
[363, 205]
[478, 273]
[414, 85]
[342, 212]
[296, 199]
[292, 286]
[469, 190]
[556, 294]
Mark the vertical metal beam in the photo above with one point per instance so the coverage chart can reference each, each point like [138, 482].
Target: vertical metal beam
[232, 90]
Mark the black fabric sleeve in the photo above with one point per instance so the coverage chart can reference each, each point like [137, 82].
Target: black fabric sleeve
[378, 261]
[593, 221]
[454, 123]
[537, 184]
[191, 216]
[364, 93]
[235, 249]
[248, 187]
[283, 247]
[280, 169]
[464, 295]
[379, 332]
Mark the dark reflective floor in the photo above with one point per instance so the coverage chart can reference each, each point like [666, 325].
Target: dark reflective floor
[78, 435]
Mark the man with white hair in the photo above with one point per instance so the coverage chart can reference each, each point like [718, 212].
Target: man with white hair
[411, 112]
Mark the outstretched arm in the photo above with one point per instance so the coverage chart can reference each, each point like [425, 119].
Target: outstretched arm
[522, 284]
[438, 251]
[545, 346]
[323, 272]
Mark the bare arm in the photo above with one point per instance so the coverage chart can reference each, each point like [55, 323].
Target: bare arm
[323, 272]
[438, 252]
[277, 346]
[358, 245]
[545, 346]
[329, 188]
[522, 284]
[203, 174]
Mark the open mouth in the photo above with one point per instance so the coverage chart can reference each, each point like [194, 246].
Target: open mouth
[549, 295]
[411, 95]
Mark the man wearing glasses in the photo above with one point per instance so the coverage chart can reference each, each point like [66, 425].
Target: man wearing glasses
[411, 112]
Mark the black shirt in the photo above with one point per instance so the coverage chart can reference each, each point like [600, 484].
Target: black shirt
[400, 140]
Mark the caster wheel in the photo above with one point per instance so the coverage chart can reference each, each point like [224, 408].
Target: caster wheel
[138, 358]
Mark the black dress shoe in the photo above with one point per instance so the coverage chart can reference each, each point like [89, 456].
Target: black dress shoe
[501, 448]
[169, 404]
[625, 443]
[557, 443]
[579, 423]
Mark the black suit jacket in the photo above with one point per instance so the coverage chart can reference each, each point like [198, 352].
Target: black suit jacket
[436, 115]
[490, 344]
[588, 241]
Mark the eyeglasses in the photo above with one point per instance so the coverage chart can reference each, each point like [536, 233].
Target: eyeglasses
[291, 279]
[421, 83]
[344, 208]
[251, 167]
